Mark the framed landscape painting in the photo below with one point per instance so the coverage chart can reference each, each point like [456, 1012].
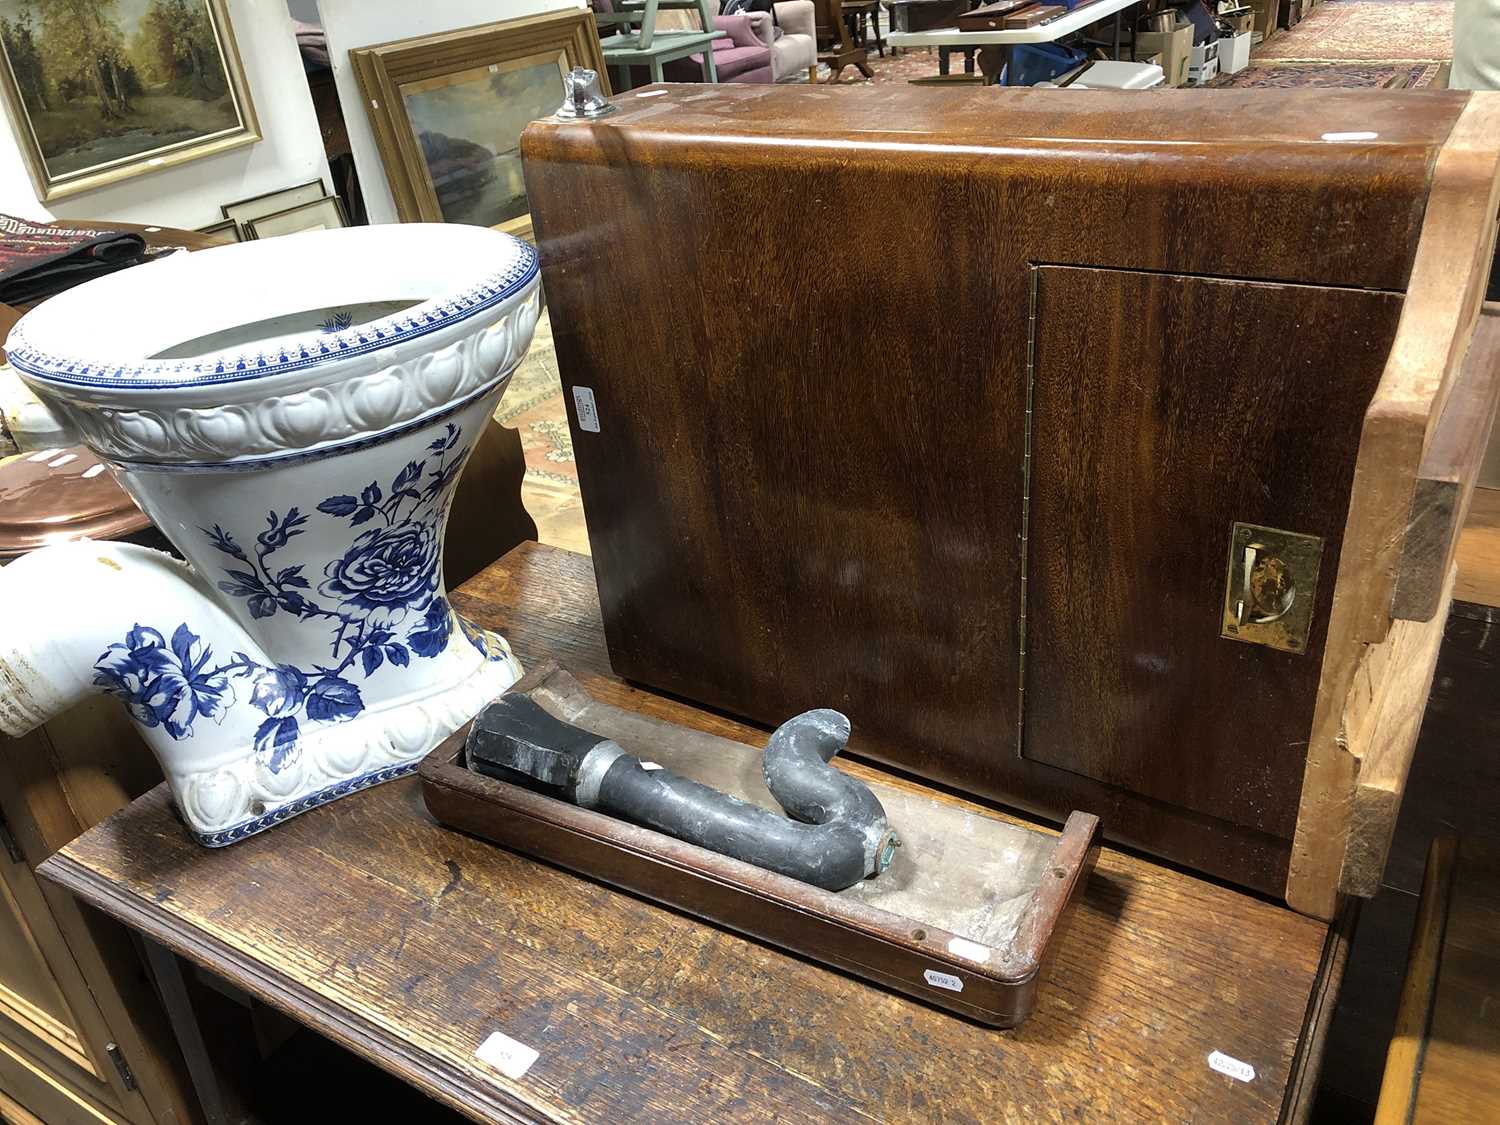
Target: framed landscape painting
[102, 90]
[448, 110]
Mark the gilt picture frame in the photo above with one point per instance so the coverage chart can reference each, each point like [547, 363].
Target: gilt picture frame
[447, 111]
[101, 91]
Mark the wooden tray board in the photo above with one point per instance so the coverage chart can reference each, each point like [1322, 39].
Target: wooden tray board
[963, 918]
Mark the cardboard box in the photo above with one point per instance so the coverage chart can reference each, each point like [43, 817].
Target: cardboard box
[1174, 47]
[1238, 19]
[1267, 15]
[1234, 52]
[1203, 63]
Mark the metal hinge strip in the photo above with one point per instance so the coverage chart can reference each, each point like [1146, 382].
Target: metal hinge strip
[117, 1057]
[1025, 544]
[8, 841]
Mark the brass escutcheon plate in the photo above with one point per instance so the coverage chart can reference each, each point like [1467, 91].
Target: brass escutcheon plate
[1271, 587]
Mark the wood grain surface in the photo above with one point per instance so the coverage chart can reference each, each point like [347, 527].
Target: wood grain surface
[1460, 1080]
[1146, 448]
[1441, 1065]
[412, 944]
[1478, 555]
[1450, 469]
[1443, 300]
[1383, 716]
[830, 508]
[1403, 1063]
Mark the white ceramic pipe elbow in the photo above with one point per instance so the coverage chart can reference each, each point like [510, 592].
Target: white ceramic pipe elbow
[72, 610]
[25, 422]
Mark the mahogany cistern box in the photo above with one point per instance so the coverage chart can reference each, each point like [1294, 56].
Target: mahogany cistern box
[1091, 450]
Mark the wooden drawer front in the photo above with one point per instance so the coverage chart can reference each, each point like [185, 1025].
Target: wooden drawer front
[1164, 409]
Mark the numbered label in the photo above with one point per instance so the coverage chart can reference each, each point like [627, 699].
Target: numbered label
[942, 980]
[1225, 1064]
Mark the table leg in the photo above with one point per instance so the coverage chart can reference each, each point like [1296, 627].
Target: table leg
[991, 62]
[1117, 37]
[166, 969]
[943, 62]
[708, 63]
[969, 60]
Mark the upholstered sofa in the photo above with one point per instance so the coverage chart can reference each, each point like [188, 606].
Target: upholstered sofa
[756, 48]
[743, 55]
[795, 52]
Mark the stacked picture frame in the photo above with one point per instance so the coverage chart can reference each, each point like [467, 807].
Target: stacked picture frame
[305, 207]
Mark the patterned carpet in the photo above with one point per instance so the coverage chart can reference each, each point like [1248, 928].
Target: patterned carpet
[1391, 44]
[1368, 31]
[1278, 75]
[534, 406]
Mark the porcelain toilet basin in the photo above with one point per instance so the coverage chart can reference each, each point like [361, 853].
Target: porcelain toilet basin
[294, 415]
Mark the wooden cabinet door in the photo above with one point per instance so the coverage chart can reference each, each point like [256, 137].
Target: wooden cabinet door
[45, 1062]
[82, 1036]
[1165, 408]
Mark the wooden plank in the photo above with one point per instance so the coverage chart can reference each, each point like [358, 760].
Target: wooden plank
[1460, 1080]
[1478, 554]
[411, 945]
[1444, 293]
[1382, 717]
[1302, 1090]
[13, 1113]
[57, 1102]
[1445, 482]
[1403, 1066]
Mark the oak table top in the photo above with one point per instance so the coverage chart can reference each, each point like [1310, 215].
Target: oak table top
[411, 944]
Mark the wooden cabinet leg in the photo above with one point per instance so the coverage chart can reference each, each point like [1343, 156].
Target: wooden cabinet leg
[167, 971]
[992, 62]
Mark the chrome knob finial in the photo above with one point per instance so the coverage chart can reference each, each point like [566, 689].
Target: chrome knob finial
[582, 98]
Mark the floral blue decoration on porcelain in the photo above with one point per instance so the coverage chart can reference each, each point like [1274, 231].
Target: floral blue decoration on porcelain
[301, 645]
[383, 606]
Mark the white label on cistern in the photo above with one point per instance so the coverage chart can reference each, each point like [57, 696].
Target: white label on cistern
[588, 413]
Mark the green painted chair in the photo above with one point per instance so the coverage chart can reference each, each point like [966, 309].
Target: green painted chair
[640, 44]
